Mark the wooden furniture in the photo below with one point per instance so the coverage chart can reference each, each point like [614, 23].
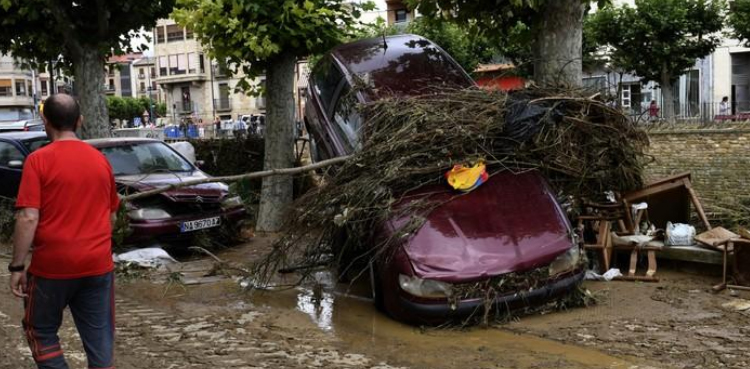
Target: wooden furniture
[732, 246]
[600, 218]
[637, 245]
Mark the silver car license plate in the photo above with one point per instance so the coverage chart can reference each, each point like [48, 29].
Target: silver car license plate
[195, 225]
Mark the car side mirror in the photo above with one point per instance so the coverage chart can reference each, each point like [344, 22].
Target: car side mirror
[16, 164]
[199, 163]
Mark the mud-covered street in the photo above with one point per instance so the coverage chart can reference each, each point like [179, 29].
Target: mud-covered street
[676, 323]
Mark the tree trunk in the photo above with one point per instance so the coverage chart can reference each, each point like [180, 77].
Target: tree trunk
[276, 192]
[558, 46]
[89, 80]
[667, 95]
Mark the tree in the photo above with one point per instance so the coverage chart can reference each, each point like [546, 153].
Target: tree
[267, 36]
[660, 39]
[739, 19]
[78, 35]
[553, 28]
[467, 46]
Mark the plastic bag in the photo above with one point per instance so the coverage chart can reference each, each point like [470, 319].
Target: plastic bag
[679, 234]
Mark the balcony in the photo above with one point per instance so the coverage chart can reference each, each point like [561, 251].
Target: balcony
[224, 104]
[181, 77]
[109, 89]
[220, 72]
[13, 101]
[141, 76]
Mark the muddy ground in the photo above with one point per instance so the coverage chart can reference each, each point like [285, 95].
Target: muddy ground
[676, 323]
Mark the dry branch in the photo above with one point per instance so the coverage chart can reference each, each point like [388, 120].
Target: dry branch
[238, 177]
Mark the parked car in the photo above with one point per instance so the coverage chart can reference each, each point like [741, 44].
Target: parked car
[141, 164]
[22, 125]
[510, 226]
[14, 148]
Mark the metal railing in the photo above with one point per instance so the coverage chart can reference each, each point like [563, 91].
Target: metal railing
[701, 113]
[223, 104]
[185, 107]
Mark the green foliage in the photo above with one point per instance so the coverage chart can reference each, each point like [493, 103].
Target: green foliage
[659, 38]
[247, 35]
[739, 19]
[129, 107]
[465, 44]
[42, 30]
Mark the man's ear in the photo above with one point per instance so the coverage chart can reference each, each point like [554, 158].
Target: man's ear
[79, 123]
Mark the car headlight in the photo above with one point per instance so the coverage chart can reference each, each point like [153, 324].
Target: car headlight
[566, 262]
[425, 287]
[231, 202]
[148, 214]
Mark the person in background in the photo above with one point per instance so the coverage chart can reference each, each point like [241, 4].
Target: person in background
[653, 111]
[724, 106]
[240, 128]
[217, 127]
[201, 129]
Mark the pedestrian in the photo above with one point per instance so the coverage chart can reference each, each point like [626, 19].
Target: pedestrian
[653, 111]
[201, 129]
[217, 127]
[724, 106]
[67, 203]
[240, 128]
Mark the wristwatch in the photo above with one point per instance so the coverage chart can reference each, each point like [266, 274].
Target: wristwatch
[16, 268]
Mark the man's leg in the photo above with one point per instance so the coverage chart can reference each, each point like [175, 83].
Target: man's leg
[93, 309]
[43, 315]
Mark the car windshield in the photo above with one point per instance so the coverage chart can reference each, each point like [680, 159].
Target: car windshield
[144, 158]
[35, 143]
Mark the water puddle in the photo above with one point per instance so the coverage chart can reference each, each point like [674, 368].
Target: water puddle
[347, 313]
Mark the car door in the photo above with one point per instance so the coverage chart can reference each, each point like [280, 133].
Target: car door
[10, 171]
[327, 81]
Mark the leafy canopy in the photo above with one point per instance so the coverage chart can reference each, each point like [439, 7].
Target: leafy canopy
[659, 38]
[246, 35]
[39, 31]
[739, 20]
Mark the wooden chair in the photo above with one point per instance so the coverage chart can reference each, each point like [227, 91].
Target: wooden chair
[732, 246]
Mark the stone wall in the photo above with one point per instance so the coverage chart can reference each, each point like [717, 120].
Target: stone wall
[718, 158]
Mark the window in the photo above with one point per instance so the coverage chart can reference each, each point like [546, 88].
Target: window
[111, 84]
[192, 62]
[45, 89]
[175, 33]
[143, 87]
[347, 119]
[402, 16]
[325, 81]
[144, 158]
[182, 63]
[160, 37]
[153, 72]
[200, 63]
[20, 88]
[140, 73]
[188, 33]
[153, 86]
[9, 153]
[6, 87]
[172, 65]
[163, 66]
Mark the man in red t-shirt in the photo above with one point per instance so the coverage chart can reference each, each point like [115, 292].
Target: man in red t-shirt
[66, 205]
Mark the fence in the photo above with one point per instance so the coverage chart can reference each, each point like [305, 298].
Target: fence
[694, 113]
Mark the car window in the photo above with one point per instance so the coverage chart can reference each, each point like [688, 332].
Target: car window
[36, 143]
[326, 79]
[347, 119]
[144, 158]
[8, 152]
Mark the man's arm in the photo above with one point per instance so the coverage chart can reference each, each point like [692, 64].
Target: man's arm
[27, 219]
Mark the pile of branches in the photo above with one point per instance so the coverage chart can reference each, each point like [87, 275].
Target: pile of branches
[583, 147]
[7, 218]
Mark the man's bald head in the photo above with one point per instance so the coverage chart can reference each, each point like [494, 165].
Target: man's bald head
[62, 112]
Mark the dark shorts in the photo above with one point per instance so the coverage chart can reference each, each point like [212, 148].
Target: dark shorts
[92, 304]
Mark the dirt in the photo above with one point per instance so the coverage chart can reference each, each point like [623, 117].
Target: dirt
[214, 323]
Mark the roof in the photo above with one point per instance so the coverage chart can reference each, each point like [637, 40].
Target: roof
[23, 136]
[145, 61]
[107, 142]
[124, 58]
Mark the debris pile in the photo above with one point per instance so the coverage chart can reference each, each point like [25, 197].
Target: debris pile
[583, 147]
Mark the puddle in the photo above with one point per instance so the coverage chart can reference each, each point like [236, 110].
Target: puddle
[347, 313]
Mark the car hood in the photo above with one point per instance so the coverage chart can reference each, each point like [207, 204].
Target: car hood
[511, 223]
[208, 192]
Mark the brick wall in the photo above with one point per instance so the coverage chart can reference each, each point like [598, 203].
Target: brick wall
[718, 158]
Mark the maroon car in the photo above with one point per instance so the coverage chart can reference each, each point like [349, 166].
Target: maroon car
[145, 164]
[511, 229]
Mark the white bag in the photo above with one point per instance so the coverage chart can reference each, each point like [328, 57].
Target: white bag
[679, 234]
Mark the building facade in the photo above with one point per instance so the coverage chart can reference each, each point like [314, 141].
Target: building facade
[16, 90]
[193, 86]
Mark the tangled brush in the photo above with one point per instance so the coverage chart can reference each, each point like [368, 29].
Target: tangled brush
[583, 147]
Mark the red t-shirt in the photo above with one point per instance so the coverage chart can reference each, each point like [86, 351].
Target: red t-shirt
[71, 184]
